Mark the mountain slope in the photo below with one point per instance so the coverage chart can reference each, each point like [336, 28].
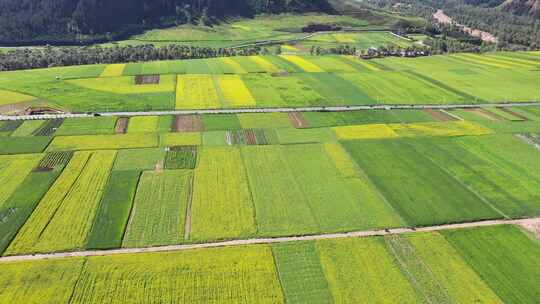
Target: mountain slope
[73, 20]
[523, 7]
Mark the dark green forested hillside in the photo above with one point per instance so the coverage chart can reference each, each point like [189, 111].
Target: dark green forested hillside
[512, 22]
[73, 20]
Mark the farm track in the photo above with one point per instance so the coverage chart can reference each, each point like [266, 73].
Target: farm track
[273, 110]
[528, 223]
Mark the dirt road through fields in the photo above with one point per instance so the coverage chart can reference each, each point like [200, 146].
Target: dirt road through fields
[275, 110]
[525, 223]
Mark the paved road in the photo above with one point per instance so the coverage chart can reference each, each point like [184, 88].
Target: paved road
[366, 233]
[272, 110]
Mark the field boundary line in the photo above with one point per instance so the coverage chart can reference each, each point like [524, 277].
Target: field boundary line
[274, 110]
[272, 240]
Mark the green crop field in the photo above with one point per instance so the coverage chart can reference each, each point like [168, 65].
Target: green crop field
[159, 209]
[222, 205]
[453, 266]
[257, 205]
[242, 171]
[281, 81]
[417, 187]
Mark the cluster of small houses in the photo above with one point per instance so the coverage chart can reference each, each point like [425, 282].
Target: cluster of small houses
[378, 53]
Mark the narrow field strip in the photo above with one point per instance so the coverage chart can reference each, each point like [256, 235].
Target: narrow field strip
[525, 222]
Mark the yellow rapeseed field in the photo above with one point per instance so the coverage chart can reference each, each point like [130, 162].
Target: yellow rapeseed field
[113, 70]
[341, 159]
[237, 68]
[289, 48]
[304, 64]
[454, 128]
[235, 91]
[8, 97]
[103, 142]
[365, 132]
[29, 235]
[265, 64]
[73, 219]
[345, 38]
[196, 92]
[126, 85]
[180, 139]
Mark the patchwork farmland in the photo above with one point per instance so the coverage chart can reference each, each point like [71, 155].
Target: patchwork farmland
[287, 80]
[397, 205]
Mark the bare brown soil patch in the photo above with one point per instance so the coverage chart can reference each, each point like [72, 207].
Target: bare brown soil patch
[121, 125]
[188, 123]
[146, 79]
[485, 114]
[298, 120]
[440, 115]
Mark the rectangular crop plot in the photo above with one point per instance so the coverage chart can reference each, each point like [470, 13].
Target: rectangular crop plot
[221, 275]
[48, 128]
[180, 139]
[143, 124]
[72, 221]
[300, 273]
[9, 126]
[505, 188]
[121, 125]
[146, 79]
[196, 92]
[246, 137]
[450, 270]
[222, 206]
[101, 142]
[53, 160]
[332, 119]
[235, 93]
[294, 199]
[48, 281]
[221, 122]
[90, 126]
[22, 145]
[188, 123]
[183, 157]
[114, 209]
[504, 257]
[28, 127]
[421, 192]
[30, 233]
[264, 120]
[159, 209]
[303, 63]
[18, 207]
[298, 120]
[139, 159]
[360, 269]
[113, 70]
[13, 170]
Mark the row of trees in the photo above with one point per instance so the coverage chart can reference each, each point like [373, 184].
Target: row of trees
[65, 56]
